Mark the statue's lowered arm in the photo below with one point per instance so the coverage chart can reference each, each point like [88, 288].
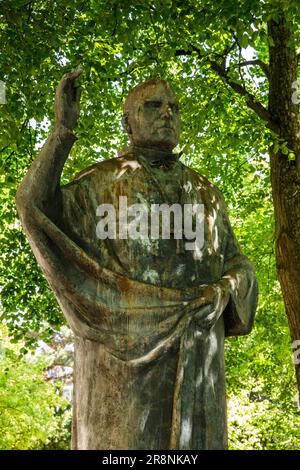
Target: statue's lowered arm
[240, 277]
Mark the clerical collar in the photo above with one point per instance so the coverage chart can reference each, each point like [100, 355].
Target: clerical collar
[154, 157]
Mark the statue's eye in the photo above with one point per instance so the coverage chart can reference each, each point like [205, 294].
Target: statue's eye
[153, 104]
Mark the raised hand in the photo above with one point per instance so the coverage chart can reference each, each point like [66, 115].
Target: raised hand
[67, 100]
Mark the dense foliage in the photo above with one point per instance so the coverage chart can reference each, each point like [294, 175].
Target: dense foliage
[33, 415]
[118, 44]
[263, 402]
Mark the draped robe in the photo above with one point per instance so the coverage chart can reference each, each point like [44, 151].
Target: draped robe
[146, 375]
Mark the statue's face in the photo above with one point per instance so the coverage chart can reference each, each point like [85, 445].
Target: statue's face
[153, 118]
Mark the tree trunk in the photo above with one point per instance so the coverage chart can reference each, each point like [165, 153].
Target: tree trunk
[285, 173]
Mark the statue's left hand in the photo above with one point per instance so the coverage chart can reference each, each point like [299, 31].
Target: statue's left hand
[217, 296]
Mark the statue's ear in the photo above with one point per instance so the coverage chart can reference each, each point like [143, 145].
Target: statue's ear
[125, 123]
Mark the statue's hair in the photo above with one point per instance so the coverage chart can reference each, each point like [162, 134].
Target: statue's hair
[141, 86]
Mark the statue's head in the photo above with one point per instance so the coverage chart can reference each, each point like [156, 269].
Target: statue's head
[151, 115]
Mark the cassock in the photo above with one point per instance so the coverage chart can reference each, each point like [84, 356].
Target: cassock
[147, 375]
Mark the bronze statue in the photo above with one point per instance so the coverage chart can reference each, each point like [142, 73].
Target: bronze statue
[149, 316]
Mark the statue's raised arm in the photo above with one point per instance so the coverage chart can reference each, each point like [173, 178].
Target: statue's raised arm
[41, 185]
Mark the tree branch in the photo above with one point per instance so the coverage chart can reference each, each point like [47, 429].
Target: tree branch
[241, 90]
[251, 101]
[4, 148]
[260, 63]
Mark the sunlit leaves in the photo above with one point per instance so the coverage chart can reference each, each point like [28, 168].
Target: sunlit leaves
[32, 414]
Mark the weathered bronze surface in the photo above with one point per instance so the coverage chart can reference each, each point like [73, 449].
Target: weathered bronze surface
[149, 316]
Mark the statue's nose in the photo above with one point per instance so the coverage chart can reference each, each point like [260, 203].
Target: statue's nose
[167, 110]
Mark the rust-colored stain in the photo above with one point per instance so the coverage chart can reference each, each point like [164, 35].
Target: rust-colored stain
[124, 284]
